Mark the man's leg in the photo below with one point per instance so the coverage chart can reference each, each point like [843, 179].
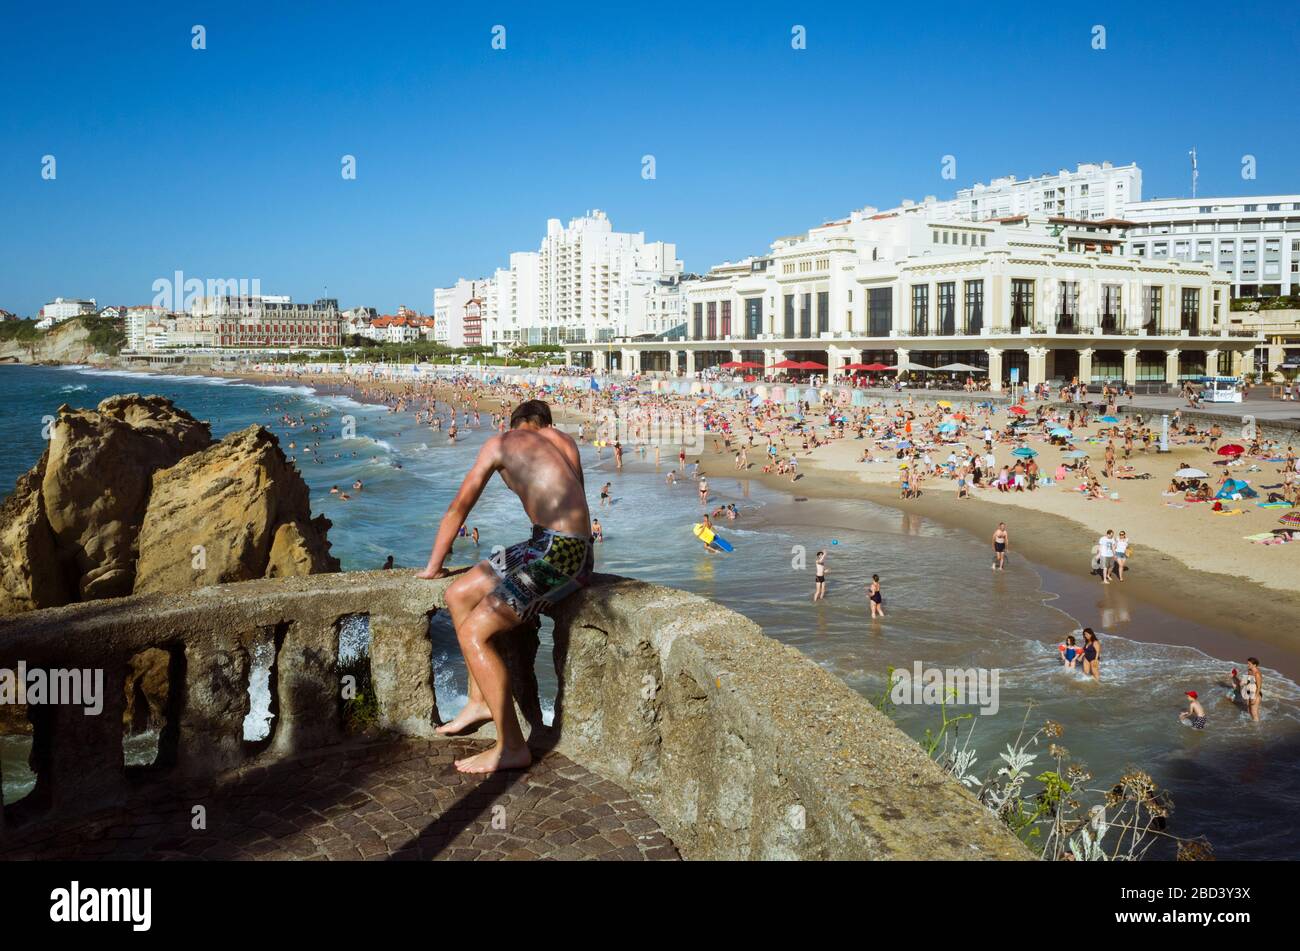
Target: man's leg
[463, 596]
[486, 666]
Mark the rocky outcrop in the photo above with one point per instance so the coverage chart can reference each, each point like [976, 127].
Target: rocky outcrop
[135, 496]
[96, 484]
[29, 576]
[236, 511]
[69, 342]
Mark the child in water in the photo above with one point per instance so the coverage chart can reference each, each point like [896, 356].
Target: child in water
[1069, 651]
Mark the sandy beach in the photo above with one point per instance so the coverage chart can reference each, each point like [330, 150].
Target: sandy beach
[1185, 559]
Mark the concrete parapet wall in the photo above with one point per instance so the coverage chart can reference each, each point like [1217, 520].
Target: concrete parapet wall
[739, 746]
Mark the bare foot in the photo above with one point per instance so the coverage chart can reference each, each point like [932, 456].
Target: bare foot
[489, 761]
[472, 715]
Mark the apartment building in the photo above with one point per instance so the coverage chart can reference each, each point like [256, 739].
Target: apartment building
[1256, 241]
[586, 282]
[1093, 191]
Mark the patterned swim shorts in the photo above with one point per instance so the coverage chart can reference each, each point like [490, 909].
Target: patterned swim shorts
[543, 571]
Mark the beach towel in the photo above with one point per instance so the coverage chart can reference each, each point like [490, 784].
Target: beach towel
[1273, 505]
[1230, 512]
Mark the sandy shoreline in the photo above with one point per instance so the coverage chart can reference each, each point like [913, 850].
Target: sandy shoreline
[1185, 563]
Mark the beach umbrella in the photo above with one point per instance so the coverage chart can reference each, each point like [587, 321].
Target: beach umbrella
[948, 428]
[1231, 449]
[1018, 410]
[1062, 432]
[812, 365]
[1190, 473]
[1108, 419]
[730, 365]
[903, 445]
[1290, 518]
[875, 367]
[945, 404]
[788, 365]
[1024, 452]
[1074, 454]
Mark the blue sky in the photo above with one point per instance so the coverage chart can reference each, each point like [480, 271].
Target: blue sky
[225, 162]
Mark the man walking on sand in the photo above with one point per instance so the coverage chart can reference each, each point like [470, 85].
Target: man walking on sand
[541, 465]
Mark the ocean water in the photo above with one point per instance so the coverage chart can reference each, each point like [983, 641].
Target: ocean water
[1235, 782]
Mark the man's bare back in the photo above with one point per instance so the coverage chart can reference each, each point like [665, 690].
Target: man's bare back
[541, 465]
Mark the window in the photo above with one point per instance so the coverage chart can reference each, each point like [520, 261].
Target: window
[1022, 304]
[805, 316]
[726, 318]
[974, 307]
[1153, 299]
[697, 330]
[789, 315]
[920, 309]
[1067, 314]
[711, 313]
[1191, 310]
[823, 311]
[1110, 308]
[947, 306]
[753, 317]
[880, 304]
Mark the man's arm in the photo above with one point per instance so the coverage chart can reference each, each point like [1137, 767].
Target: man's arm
[488, 461]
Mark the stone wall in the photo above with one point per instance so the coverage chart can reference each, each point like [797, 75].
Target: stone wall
[740, 747]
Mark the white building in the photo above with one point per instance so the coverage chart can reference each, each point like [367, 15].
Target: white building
[1256, 241]
[589, 274]
[464, 314]
[1028, 300]
[61, 309]
[1092, 191]
[138, 321]
[586, 282]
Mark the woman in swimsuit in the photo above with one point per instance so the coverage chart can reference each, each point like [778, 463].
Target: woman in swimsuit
[873, 595]
[1091, 654]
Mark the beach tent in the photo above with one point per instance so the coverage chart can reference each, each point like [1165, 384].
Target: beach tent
[1236, 488]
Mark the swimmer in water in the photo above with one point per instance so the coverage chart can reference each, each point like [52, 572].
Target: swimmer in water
[875, 597]
[1195, 713]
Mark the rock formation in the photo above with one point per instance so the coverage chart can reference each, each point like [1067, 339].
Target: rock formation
[135, 496]
[233, 512]
[96, 484]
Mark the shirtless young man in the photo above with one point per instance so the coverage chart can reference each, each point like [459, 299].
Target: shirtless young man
[541, 465]
[1001, 538]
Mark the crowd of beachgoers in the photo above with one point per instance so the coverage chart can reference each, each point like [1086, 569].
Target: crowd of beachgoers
[1044, 442]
